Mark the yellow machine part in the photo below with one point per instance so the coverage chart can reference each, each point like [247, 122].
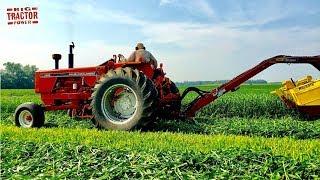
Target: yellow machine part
[304, 92]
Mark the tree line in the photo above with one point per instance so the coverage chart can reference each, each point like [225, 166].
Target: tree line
[17, 76]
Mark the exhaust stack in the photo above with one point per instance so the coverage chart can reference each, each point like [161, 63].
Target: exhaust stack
[56, 58]
[71, 46]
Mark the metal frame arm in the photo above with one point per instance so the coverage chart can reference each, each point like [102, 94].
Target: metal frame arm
[207, 98]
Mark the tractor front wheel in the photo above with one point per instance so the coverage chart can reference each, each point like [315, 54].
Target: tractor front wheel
[123, 99]
[29, 115]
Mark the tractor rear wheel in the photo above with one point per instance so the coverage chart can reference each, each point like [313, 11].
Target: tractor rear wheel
[123, 99]
[28, 115]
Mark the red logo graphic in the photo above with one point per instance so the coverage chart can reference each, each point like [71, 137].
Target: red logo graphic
[25, 15]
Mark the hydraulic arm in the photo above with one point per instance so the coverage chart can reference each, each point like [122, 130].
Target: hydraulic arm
[206, 97]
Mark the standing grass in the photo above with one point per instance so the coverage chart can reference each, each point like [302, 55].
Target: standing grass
[70, 153]
[165, 141]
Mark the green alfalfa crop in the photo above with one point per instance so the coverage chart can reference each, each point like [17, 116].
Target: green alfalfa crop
[246, 105]
[265, 127]
[25, 159]
[162, 141]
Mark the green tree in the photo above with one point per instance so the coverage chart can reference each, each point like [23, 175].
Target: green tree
[17, 76]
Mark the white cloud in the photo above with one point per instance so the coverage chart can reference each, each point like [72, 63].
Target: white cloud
[203, 6]
[196, 7]
[165, 2]
[89, 11]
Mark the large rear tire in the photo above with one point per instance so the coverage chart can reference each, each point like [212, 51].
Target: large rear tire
[123, 99]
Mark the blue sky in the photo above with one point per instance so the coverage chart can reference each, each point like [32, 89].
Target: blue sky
[195, 39]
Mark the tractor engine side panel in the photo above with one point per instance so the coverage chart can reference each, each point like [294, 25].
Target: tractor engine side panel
[66, 88]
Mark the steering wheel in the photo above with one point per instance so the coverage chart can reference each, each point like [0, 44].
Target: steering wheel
[121, 58]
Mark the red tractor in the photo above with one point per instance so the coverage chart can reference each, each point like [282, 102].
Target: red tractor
[125, 95]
